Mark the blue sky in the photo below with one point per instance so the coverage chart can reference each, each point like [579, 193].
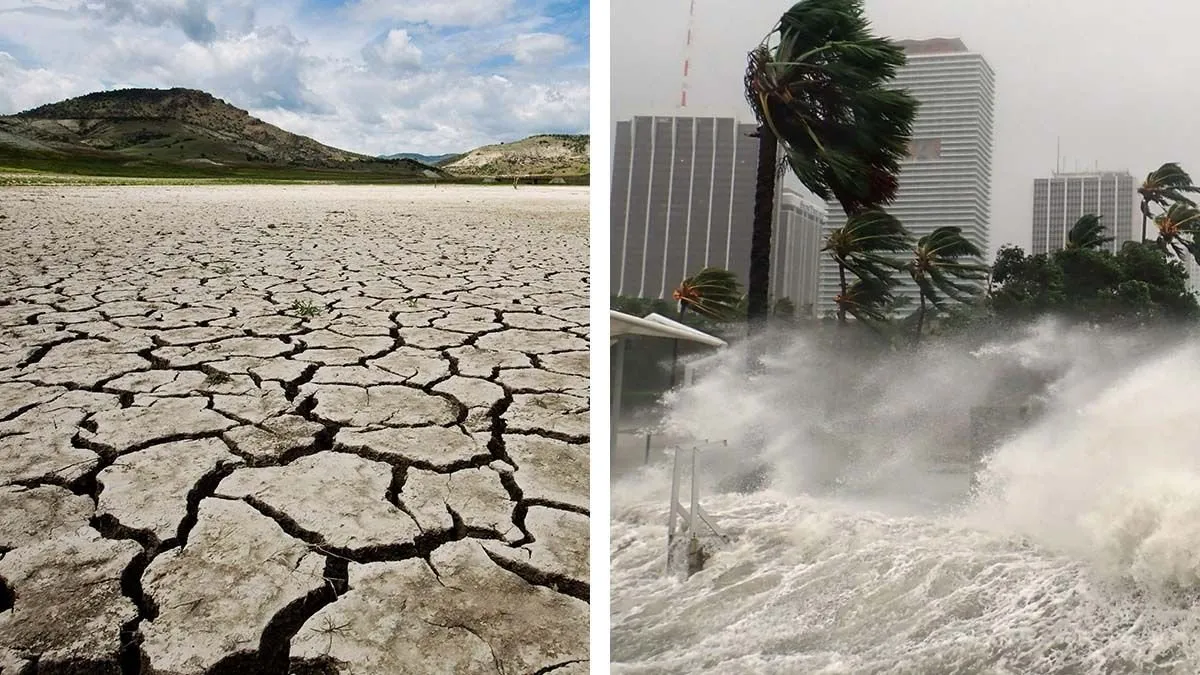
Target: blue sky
[373, 76]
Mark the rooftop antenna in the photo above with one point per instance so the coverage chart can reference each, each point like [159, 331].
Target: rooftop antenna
[687, 54]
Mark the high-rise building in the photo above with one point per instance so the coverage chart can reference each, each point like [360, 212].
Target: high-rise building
[1193, 271]
[1060, 200]
[947, 177]
[796, 249]
[682, 200]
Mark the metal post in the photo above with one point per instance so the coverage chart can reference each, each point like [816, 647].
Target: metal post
[691, 517]
[674, 362]
[673, 512]
[618, 368]
[695, 499]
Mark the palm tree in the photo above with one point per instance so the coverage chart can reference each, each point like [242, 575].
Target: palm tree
[1087, 233]
[861, 246]
[945, 262]
[1165, 186]
[816, 84]
[1179, 230]
[867, 300]
[712, 292]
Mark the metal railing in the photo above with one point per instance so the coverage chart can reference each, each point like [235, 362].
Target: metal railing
[685, 522]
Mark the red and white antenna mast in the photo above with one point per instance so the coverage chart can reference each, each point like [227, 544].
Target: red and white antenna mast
[687, 54]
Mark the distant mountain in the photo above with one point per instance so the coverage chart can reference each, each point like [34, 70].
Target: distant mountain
[176, 126]
[428, 160]
[541, 155]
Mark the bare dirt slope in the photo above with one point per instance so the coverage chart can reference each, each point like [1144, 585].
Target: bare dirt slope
[544, 155]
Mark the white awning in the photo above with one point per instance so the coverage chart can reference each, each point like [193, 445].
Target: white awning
[656, 325]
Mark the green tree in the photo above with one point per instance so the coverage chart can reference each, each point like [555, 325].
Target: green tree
[1166, 185]
[945, 266]
[712, 292]
[1141, 283]
[1087, 232]
[1025, 286]
[818, 86]
[865, 247]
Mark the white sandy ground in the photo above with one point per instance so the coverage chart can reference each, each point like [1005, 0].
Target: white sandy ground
[326, 428]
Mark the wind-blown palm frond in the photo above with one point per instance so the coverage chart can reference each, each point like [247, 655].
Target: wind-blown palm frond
[819, 82]
[712, 292]
[1178, 230]
[868, 236]
[1087, 233]
[1168, 184]
[862, 247]
[946, 265]
[866, 300]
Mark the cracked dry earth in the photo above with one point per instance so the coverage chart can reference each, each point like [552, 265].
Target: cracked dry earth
[293, 429]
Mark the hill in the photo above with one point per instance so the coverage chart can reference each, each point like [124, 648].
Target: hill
[428, 160]
[174, 129]
[541, 155]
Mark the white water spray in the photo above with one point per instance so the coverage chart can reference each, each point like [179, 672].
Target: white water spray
[868, 553]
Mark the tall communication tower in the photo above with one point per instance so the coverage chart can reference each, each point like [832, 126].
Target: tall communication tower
[687, 54]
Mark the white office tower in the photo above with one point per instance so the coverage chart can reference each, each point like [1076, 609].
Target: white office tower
[796, 243]
[947, 177]
[1059, 201]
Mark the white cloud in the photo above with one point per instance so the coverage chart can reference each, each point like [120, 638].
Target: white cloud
[530, 48]
[24, 88]
[396, 52]
[434, 12]
[366, 87]
[190, 16]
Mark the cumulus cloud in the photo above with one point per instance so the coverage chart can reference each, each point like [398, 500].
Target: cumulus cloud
[190, 16]
[23, 88]
[395, 52]
[435, 12]
[374, 77]
[531, 48]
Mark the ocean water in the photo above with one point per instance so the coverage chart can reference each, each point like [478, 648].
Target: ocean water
[1078, 551]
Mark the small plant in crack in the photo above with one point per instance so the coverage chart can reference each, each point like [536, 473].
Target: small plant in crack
[217, 377]
[306, 308]
[411, 302]
[223, 268]
[329, 629]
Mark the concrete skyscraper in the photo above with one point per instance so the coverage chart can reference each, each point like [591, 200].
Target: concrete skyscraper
[682, 200]
[796, 249]
[947, 177]
[1060, 200]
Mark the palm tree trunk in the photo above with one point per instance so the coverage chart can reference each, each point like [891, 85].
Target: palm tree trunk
[920, 319]
[758, 288]
[841, 310]
[1144, 226]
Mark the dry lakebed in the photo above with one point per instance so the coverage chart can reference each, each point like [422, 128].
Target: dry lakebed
[293, 429]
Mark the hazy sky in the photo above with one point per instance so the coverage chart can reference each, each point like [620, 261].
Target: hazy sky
[373, 76]
[1100, 74]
